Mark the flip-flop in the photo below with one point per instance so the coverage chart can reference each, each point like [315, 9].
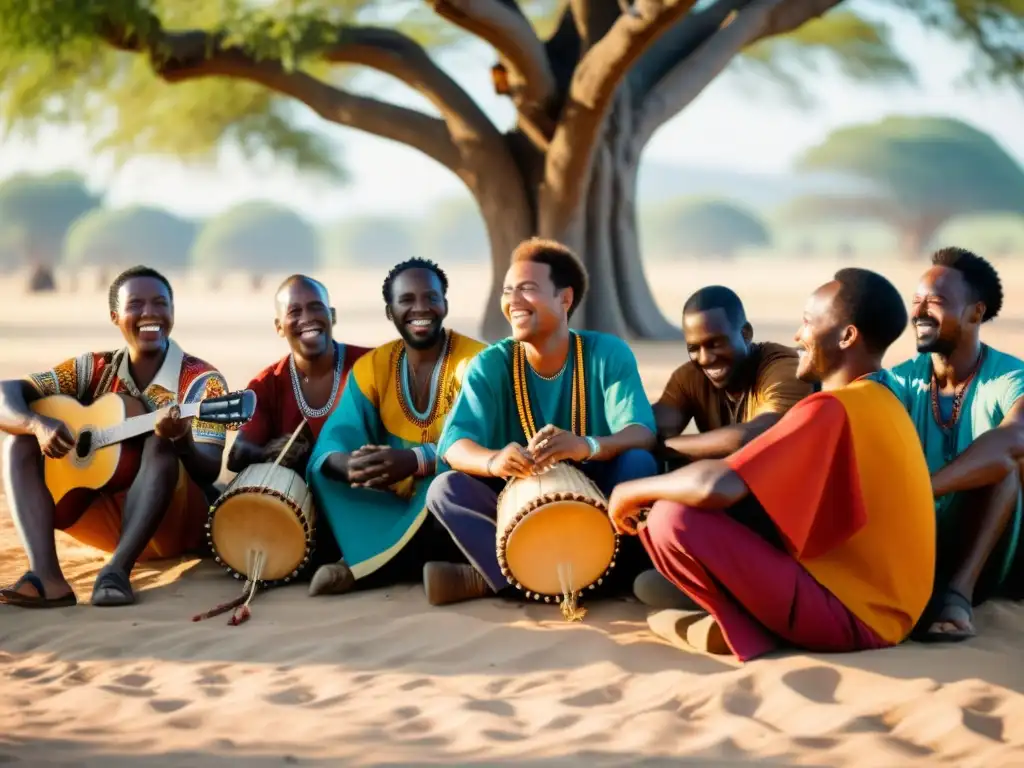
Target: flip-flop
[11, 596]
[953, 608]
[111, 578]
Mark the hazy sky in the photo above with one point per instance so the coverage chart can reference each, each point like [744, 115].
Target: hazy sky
[724, 128]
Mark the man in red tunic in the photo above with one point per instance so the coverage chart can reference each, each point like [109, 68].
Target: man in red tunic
[304, 384]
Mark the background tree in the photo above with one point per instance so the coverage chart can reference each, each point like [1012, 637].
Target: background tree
[376, 240]
[256, 238]
[703, 228]
[454, 232]
[119, 238]
[35, 214]
[922, 173]
[587, 97]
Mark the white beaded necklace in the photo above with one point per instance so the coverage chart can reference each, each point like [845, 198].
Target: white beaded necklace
[316, 413]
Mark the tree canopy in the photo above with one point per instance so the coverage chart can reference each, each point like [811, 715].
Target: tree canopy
[923, 170]
[590, 82]
[121, 237]
[36, 212]
[255, 238]
[705, 228]
[377, 240]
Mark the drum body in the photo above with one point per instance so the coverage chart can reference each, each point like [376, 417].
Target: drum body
[266, 508]
[553, 533]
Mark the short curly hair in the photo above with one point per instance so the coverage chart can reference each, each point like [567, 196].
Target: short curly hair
[130, 274]
[981, 277]
[414, 263]
[873, 305]
[567, 271]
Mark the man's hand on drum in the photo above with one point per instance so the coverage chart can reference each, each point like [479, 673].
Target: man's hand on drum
[551, 444]
[296, 454]
[378, 466]
[511, 461]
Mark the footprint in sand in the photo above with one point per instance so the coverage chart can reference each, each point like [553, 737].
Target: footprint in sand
[79, 677]
[131, 685]
[610, 694]
[186, 723]
[503, 735]
[563, 721]
[412, 685]
[741, 699]
[297, 694]
[819, 684]
[406, 713]
[493, 706]
[166, 706]
[28, 673]
[329, 702]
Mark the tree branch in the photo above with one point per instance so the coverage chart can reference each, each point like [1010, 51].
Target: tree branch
[187, 55]
[505, 27]
[757, 20]
[602, 68]
[678, 43]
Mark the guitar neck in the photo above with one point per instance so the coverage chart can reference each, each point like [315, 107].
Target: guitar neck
[139, 425]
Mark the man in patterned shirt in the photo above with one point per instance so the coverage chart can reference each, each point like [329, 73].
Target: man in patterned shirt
[159, 510]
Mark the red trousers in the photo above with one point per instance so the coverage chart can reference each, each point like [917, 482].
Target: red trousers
[760, 595]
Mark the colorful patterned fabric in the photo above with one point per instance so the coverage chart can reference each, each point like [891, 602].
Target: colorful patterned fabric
[372, 526]
[181, 379]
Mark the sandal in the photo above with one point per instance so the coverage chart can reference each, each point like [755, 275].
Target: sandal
[953, 608]
[117, 587]
[11, 596]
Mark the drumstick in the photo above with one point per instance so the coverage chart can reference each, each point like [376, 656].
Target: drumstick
[291, 440]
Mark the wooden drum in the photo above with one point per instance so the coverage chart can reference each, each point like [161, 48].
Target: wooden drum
[263, 522]
[554, 537]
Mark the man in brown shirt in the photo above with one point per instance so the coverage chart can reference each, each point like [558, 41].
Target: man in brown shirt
[732, 389]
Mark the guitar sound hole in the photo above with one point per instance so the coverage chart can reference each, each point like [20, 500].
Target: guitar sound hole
[84, 445]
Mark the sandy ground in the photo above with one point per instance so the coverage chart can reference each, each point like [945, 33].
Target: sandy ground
[380, 678]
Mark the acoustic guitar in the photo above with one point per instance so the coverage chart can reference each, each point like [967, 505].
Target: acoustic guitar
[101, 429]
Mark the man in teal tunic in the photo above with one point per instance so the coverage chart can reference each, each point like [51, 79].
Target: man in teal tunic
[519, 412]
[967, 402]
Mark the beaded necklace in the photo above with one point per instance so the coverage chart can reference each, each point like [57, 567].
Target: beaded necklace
[958, 396]
[300, 399]
[444, 362]
[522, 392]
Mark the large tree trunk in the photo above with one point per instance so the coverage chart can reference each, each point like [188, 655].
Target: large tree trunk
[916, 233]
[603, 232]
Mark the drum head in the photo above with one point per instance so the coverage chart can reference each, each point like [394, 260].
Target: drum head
[570, 532]
[260, 521]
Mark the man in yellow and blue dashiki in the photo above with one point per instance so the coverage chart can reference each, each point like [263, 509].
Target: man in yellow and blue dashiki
[374, 460]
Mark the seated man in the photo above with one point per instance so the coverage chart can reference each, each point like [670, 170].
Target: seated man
[502, 428]
[306, 384]
[374, 461]
[820, 532]
[967, 401]
[732, 389]
[160, 510]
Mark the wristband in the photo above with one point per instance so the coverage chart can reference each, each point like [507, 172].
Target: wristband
[594, 447]
[490, 463]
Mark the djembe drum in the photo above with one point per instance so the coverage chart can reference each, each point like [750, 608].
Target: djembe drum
[262, 528]
[554, 538]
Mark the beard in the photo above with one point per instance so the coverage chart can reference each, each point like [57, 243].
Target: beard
[936, 345]
[421, 342]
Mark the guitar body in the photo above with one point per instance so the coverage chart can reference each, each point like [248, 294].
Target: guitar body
[85, 467]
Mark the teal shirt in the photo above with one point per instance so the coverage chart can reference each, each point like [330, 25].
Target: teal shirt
[997, 386]
[485, 411]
